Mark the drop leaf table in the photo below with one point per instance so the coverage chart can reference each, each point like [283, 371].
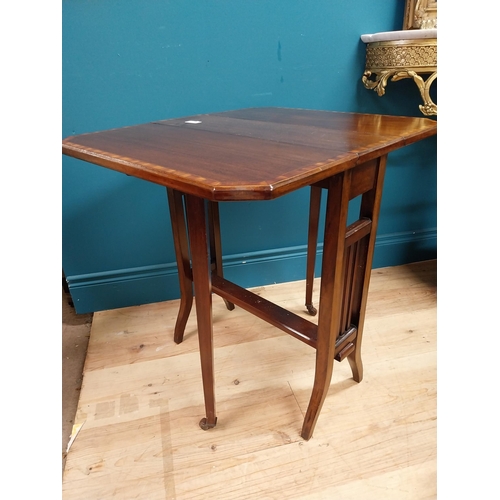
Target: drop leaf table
[260, 154]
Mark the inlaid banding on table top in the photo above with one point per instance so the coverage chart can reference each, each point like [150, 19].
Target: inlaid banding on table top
[213, 188]
[364, 146]
[258, 154]
[360, 124]
[311, 132]
[276, 150]
[286, 133]
[334, 120]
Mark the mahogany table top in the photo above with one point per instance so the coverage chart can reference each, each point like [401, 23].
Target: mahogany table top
[248, 154]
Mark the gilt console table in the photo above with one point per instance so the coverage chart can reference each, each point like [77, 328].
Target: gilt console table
[261, 154]
[398, 55]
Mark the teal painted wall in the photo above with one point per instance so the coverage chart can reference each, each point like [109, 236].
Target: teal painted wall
[133, 61]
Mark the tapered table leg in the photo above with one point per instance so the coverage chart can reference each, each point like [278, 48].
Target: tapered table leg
[330, 295]
[178, 221]
[312, 242]
[370, 208]
[198, 239]
[216, 244]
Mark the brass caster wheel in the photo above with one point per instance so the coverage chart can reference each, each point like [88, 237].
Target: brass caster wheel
[205, 425]
[311, 310]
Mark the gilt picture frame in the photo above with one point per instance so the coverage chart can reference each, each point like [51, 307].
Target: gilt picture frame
[420, 14]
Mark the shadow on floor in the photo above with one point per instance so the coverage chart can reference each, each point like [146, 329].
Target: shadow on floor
[75, 339]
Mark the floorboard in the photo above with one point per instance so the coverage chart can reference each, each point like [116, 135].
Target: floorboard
[141, 401]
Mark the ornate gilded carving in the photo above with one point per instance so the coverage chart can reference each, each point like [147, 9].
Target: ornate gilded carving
[404, 55]
[401, 59]
[420, 14]
[429, 108]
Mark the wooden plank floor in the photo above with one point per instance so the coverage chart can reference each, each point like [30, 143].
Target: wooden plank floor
[142, 399]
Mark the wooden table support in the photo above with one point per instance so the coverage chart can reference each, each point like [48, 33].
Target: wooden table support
[347, 256]
[198, 239]
[261, 154]
[178, 223]
[312, 242]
